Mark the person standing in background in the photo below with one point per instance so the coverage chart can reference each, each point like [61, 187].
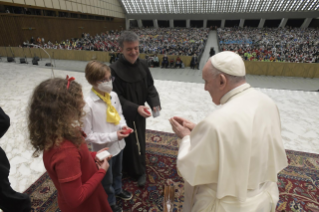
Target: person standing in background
[134, 85]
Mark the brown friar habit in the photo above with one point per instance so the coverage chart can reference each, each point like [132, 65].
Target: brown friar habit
[134, 85]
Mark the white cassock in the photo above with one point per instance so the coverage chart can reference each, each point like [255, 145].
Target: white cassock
[231, 159]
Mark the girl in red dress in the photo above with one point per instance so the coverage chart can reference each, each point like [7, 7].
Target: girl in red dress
[54, 123]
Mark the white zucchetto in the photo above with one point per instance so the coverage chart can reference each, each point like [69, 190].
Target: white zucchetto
[229, 63]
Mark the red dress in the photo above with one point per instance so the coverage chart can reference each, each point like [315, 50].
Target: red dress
[76, 177]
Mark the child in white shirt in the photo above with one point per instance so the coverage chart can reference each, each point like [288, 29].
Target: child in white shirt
[105, 126]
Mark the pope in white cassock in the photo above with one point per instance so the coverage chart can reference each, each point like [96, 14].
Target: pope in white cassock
[230, 160]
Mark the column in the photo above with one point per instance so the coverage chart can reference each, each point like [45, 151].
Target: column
[127, 23]
[241, 23]
[205, 23]
[139, 23]
[306, 23]
[283, 22]
[261, 23]
[223, 24]
[188, 23]
[171, 23]
[155, 23]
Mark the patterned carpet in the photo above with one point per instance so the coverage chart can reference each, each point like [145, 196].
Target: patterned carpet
[298, 183]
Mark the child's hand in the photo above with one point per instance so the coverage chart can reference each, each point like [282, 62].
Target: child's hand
[127, 130]
[104, 164]
[122, 134]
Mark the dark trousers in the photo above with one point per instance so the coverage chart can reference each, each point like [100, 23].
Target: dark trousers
[194, 65]
[112, 181]
[10, 200]
[164, 64]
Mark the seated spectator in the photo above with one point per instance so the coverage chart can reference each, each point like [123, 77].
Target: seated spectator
[165, 61]
[155, 61]
[194, 62]
[172, 63]
[178, 62]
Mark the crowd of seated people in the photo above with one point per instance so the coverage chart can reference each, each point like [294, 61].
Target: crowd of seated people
[104, 42]
[272, 44]
[176, 41]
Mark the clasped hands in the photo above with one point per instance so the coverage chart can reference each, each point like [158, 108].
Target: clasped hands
[182, 127]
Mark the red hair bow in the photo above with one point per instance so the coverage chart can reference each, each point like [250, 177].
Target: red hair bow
[69, 79]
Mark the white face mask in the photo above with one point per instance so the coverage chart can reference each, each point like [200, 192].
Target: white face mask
[106, 86]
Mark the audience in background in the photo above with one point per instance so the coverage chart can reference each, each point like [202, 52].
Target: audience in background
[272, 44]
[176, 41]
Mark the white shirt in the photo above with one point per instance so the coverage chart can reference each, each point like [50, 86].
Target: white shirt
[99, 132]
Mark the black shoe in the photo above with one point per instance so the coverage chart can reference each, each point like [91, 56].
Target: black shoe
[116, 208]
[141, 180]
[125, 195]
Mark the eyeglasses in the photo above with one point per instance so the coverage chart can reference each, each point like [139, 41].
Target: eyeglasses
[108, 79]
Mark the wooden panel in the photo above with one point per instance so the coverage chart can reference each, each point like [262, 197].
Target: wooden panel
[257, 68]
[8, 1]
[16, 29]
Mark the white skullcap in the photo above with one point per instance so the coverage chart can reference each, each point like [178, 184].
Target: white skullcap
[229, 63]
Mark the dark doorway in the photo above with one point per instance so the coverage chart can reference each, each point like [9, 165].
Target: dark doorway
[133, 24]
[148, 23]
[295, 22]
[232, 23]
[163, 23]
[197, 24]
[214, 23]
[179, 23]
[314, 23]
[251, 23]
[272, 23]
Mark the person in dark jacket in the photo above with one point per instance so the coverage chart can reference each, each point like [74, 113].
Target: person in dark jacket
[10, 200]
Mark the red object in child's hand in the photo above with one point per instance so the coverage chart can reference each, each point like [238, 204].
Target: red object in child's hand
[146, 110]
[128, 131]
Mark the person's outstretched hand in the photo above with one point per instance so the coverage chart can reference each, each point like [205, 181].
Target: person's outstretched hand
[179, 129]
[185, 123]
[144, 111]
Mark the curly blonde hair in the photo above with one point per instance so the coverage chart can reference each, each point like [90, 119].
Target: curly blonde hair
[55, 114]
